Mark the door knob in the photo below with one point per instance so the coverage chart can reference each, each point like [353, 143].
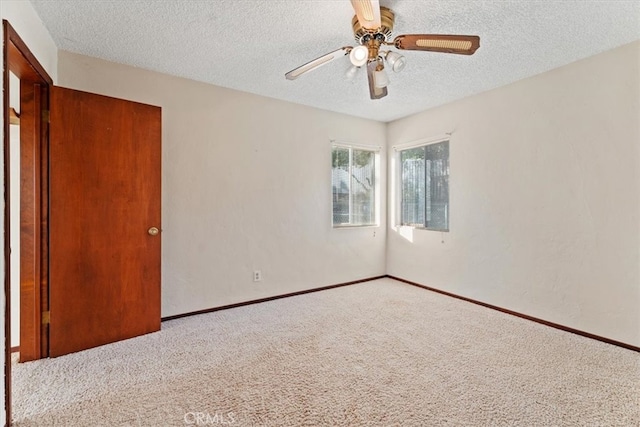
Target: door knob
[153, 231]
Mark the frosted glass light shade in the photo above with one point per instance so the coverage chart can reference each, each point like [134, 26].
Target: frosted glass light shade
[396, 61]
[358, 55]
[380, 79]
[351, 72]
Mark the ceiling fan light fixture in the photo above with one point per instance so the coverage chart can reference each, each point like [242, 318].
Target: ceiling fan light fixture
[372, 28]
[396, 61]
[359, 55]
[351, 72]
[380, 78]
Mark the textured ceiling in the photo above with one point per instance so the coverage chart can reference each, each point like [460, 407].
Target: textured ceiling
[250, 45]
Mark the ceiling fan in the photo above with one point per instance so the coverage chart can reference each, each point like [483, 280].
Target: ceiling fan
[372, 27]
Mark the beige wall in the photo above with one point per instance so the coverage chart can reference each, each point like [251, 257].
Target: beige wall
[14, 174]
[246, 186]
[545, 215]
[545, 197]
[24, 19]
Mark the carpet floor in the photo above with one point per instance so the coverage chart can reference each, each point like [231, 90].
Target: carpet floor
[380, 353]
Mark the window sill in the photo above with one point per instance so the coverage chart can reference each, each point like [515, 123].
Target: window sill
[355, 226]
[417, 227]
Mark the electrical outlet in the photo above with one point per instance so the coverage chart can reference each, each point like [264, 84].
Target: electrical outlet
[257, 276]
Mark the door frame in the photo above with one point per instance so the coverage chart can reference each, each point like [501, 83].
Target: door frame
[19, 59]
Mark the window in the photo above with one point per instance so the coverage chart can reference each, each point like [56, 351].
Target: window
[353, 179]
[425, 186]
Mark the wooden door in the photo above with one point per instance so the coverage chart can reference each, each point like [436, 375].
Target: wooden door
[104, 254]
[33, 221]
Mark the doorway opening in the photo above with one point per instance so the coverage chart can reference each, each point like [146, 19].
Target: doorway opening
[25, 75]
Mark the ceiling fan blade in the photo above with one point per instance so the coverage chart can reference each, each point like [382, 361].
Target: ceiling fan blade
[463, 45]
[374, 92]
[368, 13]
[318, 62]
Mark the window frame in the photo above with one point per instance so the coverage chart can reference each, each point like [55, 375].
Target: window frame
[376, 182]
[399, 184]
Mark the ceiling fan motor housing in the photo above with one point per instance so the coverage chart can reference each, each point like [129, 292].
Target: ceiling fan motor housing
[362, 34]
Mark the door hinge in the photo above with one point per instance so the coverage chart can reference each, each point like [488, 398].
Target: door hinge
[46, 317]
[46, 117]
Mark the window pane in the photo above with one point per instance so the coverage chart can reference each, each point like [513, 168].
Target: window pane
[413, 186]
[362, 187]
[437, 184]
[340, 183]
[353, 186]
[425, 186]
